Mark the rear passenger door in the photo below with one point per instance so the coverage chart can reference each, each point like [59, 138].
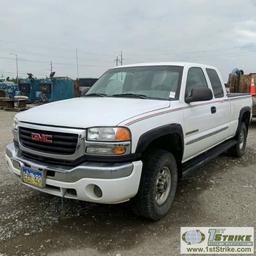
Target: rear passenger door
[198, 118]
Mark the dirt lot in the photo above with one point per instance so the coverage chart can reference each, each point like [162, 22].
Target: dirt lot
[223, 193]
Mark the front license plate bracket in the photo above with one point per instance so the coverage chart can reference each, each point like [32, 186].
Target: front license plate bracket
[33, 176]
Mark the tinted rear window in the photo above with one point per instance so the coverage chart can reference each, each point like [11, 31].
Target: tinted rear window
[215, 82]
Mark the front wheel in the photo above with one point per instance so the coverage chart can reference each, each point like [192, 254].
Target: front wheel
[158, 185]
[238, 149]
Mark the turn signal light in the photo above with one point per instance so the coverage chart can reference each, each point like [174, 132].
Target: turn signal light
[123, 134]
[119, 150]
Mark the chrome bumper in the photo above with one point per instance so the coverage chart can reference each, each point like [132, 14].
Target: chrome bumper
[72, 174]
[118, 181]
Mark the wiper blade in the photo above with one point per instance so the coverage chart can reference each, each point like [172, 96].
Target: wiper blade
[95, 94]
[130, 95]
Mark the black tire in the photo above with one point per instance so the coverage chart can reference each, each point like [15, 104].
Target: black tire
[238, 149]
[157, 164]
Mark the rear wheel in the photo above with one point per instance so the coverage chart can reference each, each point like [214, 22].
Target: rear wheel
[158, 185]
[238, 149]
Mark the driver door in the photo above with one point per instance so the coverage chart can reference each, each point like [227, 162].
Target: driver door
[198, 119]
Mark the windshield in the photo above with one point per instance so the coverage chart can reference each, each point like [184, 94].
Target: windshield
[154, 82]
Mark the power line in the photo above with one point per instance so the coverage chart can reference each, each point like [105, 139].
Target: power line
[143, 55]
[56, 63]
[67, 49]
[117, 60]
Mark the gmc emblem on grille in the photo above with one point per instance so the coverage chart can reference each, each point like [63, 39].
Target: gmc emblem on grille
[41, 137]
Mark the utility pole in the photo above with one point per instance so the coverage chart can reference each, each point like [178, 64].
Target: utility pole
[51, 66]
[77, 71]
[17, 66]
[117, 60]
[121, 58]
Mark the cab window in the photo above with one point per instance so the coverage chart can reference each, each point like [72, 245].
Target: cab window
[215, 82]
[195, 79]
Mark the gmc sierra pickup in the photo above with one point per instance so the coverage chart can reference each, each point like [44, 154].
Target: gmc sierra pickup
[136, 132]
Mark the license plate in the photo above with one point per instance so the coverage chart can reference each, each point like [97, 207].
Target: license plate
[33, 177]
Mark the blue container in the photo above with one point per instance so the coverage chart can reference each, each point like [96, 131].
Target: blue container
[11, 89]
[28, 87]
[54, 89]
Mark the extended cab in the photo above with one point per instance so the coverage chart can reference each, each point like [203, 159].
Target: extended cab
[136, 132]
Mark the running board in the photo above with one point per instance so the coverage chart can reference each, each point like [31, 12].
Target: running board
[205, 157]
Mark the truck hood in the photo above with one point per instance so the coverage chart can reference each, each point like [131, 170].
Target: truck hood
[88, 112]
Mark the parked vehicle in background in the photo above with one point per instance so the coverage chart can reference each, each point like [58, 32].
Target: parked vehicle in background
[85, 84]
[138, 130]
[239, 82]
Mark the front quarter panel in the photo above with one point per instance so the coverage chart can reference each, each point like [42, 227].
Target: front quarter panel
[144, 123]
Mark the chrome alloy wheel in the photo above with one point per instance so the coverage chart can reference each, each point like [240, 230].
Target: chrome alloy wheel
[163, 185]
[241, 139]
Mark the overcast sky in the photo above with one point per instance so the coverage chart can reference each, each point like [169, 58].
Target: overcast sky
[219, 32]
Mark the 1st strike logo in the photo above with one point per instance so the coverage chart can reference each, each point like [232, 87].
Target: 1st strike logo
[193, 237]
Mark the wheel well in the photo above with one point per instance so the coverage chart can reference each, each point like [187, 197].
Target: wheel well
[172, 143]
[246, 118]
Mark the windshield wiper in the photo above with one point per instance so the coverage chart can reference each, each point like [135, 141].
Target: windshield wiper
[95, 94]
[130, 95]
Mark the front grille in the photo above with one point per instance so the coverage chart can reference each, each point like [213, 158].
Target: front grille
[62, 143]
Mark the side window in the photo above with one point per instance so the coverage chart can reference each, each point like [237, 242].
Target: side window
[195, 79]
[215, 82]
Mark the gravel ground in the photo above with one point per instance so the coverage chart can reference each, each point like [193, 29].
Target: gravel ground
[31, 223]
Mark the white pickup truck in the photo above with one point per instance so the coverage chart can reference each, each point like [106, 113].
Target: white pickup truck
[137, 131]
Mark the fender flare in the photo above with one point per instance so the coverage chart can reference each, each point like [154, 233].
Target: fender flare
[241, 114]
[148, 137]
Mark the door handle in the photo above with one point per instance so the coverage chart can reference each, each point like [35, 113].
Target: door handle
[213, 110]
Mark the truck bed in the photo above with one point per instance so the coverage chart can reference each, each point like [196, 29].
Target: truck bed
[237, 94]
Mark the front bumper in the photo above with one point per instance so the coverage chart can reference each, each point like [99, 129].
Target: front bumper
[118, 181]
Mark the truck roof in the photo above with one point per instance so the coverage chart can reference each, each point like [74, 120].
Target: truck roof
[183, 64]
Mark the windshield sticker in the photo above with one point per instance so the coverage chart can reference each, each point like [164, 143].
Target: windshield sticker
[172, 95]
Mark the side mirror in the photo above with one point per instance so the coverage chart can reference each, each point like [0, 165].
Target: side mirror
[199, 94]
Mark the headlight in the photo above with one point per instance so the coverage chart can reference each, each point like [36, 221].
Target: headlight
[15, 123]
[108, 134]
[15, 129]
[108, 141]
